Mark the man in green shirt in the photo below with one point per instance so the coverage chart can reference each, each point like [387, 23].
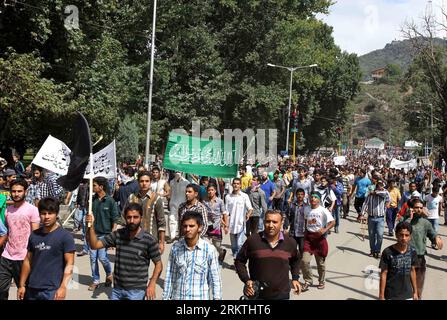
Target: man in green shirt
[105, 212]
[422, 228]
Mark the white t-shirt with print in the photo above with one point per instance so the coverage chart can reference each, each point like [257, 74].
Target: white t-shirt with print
[317, 218]
[433, 206]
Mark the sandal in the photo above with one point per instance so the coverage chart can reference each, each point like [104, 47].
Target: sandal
[304, 286]
[321, 285]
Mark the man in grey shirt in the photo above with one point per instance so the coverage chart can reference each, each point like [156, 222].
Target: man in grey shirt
[258, 201]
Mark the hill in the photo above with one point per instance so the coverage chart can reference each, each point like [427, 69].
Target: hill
[396, 52]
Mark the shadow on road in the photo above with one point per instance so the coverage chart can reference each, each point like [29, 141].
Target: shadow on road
[352, 250]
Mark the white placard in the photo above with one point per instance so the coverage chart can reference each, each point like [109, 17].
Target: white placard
[340, 161]
[104, 164]
[54, 155]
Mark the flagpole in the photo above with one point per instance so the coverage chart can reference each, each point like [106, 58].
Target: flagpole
[90, 194]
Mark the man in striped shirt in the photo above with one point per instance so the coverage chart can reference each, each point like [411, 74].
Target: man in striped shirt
[135, 248]
[375, 206]
[193, 265]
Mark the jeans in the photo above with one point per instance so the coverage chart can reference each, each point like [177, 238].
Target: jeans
[336, 215]
[237, 240]
[39, 294]
[85, 247]
[100, 255]
[131, 294]
[435, 224]
[391, 214]
[375, 232]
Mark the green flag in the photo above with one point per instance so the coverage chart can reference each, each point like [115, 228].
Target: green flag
[211, 158]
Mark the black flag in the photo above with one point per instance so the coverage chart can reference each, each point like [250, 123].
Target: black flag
[79, 155]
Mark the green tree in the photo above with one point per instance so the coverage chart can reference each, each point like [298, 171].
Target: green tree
[127, 140]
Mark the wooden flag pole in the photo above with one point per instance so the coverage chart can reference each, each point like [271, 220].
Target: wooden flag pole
[90, 194]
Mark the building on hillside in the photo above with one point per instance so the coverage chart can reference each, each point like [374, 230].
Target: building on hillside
[378, 73]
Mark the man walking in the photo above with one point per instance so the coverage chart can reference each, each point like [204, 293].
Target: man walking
[375, 207]
[193, 204]
[106, 216]
[318, 221]
[48, 265]
[271, 255]
[239, 208]
[217, 216]
[153, 220]
[178, 196]
[398, 272]
[193, 266]
[422, 229]
[361, 185]
[135, 248]
[257, 199]
[21, 218]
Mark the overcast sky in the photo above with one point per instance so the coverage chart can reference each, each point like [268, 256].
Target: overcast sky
[361, 26]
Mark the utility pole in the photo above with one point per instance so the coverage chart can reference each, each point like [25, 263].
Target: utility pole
[151, 77]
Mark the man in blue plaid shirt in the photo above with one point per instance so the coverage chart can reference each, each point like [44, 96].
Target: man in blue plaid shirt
[193, 265]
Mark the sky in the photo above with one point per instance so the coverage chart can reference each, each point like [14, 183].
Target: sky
[361, 26]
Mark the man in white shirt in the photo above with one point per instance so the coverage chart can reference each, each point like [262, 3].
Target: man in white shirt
[318, 220]
[433, 203]
[239, 208]
[178, 189]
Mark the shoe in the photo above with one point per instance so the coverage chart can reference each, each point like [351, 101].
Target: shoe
[109, 281]
[93, 286]
[336, 230]
[376, 255]
[81, 253]
[371, 254]
[433, 246]
[320, 286]
[222, 255]
[391, 234]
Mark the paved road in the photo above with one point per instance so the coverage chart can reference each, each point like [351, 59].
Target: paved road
[350, 274]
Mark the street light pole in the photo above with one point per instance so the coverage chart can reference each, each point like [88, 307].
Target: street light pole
[291, 69]
[432, 133]
[290, 104]
[151, 77]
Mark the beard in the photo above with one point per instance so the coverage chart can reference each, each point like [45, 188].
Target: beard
[132, 226]
[19, 199]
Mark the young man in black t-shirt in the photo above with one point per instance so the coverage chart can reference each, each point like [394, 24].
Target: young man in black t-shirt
[50, 258]
[398, 273]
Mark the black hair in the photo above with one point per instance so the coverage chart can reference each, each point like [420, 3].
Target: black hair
[49, 204]
[435, 189]
[144, 173]
[271, 211]
[236, 179]
[300, 190]
[193, 215]
[20, 182]
[404, 225]
[134, 206]
[412, 202]
[129, 171]
[101, 181]
[156, 168]
[194, 186]
[211, 185]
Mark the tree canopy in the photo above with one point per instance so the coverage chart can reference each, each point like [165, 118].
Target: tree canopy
[210, 64]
